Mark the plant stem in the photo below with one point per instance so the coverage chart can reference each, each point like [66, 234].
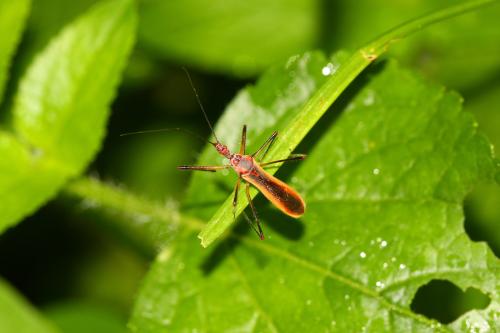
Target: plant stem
[150, 223]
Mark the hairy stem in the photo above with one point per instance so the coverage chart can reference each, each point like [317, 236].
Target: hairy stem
[147, 222]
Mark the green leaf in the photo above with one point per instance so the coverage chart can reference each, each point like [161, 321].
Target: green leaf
[61, 108]
[302, 122]
[46, 19]
[12, 19]
[384, 188]
[16, 315]
[238, 37]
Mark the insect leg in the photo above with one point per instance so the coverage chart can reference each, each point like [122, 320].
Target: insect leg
[295, 157]
[243, 140]
[265, 146]
[211, 168]
[235, 198]
[258, 230]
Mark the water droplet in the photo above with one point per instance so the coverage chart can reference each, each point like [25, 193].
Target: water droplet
[362, 254]
[379, 284]
[334, 323]
[393, 259]
[385, 265]
[383, 244]
[326, 70]
[376, 171]
[402, 266]
[336, 241]
[346, 296]
[309, 302]
[329, 69]
[343, 243]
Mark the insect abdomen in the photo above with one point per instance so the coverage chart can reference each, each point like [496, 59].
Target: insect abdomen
[280, 194]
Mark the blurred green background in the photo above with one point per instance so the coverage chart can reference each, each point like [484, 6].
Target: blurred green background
[70, 261]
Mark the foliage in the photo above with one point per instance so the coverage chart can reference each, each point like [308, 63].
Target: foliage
[384, 214]
[61, 105]
[392, 155]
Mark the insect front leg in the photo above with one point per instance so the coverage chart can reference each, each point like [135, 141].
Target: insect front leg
[210, 168]
[265, 147]
[243, 140]
[294, 157]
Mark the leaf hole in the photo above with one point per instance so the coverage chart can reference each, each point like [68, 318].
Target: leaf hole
[481, 216]
[444, 301]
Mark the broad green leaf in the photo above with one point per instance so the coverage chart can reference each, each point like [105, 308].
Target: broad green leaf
[46, 19]
[240, 37]
[61, 108]
[16, 315]
[384, 188]
[12, 19]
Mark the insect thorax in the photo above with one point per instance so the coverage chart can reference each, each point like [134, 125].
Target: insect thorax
[242, 163]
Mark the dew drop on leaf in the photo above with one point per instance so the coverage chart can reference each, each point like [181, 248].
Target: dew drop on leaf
[329, 69]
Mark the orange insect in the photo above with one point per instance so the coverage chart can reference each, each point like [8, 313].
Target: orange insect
[249, 168]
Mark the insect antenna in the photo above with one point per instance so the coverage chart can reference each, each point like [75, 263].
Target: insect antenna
[200, 104]
[168, 130]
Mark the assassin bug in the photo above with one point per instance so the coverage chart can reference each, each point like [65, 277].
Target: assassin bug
[251, 170]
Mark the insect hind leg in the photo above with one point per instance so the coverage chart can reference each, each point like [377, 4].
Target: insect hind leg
[256, 225]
